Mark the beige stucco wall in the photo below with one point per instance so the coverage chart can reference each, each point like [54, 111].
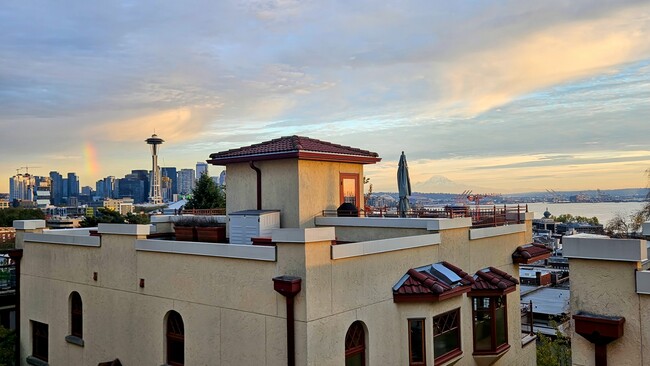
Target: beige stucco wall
[338, 292]
[279, 188]
[215, 297]
[356, 233]
[301, 189]
[608, 288]
[232, 315]
[320, 188]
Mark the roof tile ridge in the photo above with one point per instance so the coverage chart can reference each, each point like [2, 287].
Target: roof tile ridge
[426, 281]
[503, 274]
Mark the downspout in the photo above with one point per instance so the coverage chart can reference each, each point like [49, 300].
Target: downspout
[16, 256]
[259, 184]
[289, 286]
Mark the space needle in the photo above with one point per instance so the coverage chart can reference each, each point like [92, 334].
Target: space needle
[155, 197]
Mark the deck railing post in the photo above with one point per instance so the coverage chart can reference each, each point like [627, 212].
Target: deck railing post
[530, 316]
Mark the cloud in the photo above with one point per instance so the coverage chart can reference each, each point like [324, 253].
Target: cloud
[479, 81]
[177, 125]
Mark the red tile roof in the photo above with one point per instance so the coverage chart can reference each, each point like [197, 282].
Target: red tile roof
[492, 281]
[530, 253]
[294, 147]
[421, 284]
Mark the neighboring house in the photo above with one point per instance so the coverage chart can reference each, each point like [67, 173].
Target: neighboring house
[610, 300]
[320, 291]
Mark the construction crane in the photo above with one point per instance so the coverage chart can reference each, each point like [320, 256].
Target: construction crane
[26, 168]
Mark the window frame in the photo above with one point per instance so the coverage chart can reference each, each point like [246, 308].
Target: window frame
[495, 348]
[76, 315]
[457, 327]
[40, 340]
[174, 337]
[423, 341]
[357, 191]
[357, 349]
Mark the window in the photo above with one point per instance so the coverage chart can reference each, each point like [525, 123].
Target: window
[39, 341]
[446, 336]
[417, 341]
[350, 189]
[355, 345]
[76, 315]
[490, 324]
[175, 339]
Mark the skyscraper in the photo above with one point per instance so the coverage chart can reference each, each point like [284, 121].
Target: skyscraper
[56, 188]
[21, 187]
[170, 172]
[201, 167]
[186, 181]
[73, 185]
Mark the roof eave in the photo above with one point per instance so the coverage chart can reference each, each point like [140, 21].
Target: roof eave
[430, 297]
[296, 154]
[491, 292]
[522, 260]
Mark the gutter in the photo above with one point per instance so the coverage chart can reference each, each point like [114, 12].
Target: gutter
[289, 286]
[259, 184]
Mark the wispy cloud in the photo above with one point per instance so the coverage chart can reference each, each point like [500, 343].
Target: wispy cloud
[451, 83]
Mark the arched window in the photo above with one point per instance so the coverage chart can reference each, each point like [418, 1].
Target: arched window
[175, 334]
[355, 345]
[76, 315]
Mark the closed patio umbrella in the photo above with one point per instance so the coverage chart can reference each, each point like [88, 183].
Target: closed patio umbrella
[403, 185]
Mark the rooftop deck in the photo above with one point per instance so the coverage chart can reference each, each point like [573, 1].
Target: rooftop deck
[481, 216]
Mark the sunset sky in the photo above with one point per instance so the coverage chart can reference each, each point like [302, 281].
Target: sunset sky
[509, 96]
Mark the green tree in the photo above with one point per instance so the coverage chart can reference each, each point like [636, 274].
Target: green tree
[568, 218]
[8, 215]
[206, 194]
[104, 215]
[553, 352]
[142, 219]
[7, 346]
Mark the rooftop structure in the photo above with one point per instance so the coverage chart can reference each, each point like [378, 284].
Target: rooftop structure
[610, 288]
[315, 291]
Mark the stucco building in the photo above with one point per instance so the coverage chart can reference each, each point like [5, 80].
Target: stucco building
[319, 291]
[610, 299]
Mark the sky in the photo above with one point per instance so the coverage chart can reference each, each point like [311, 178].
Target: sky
[506, 96]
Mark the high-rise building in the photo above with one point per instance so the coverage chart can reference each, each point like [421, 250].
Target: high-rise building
[86, 191]
[21, 187]
[56, 190]
[109, 187]
[170, 172]
[43, 192]
[73, 185]
[201, 168]
[186, 181]
[222, 178]
[131, 186]
[166, 189]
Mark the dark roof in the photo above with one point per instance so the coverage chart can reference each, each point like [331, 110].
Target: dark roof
[530, 253]
[294, 147]
[428, 284]
[492, 281]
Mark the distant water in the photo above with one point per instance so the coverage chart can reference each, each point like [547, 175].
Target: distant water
[604, 211]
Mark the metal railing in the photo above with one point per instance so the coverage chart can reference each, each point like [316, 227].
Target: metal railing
[481, 216]
[527, 319]
[203, 212]
[7, 273]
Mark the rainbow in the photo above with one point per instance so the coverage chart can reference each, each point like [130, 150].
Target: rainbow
[90, 159]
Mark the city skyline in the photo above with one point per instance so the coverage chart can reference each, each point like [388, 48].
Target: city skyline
[514, 97]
